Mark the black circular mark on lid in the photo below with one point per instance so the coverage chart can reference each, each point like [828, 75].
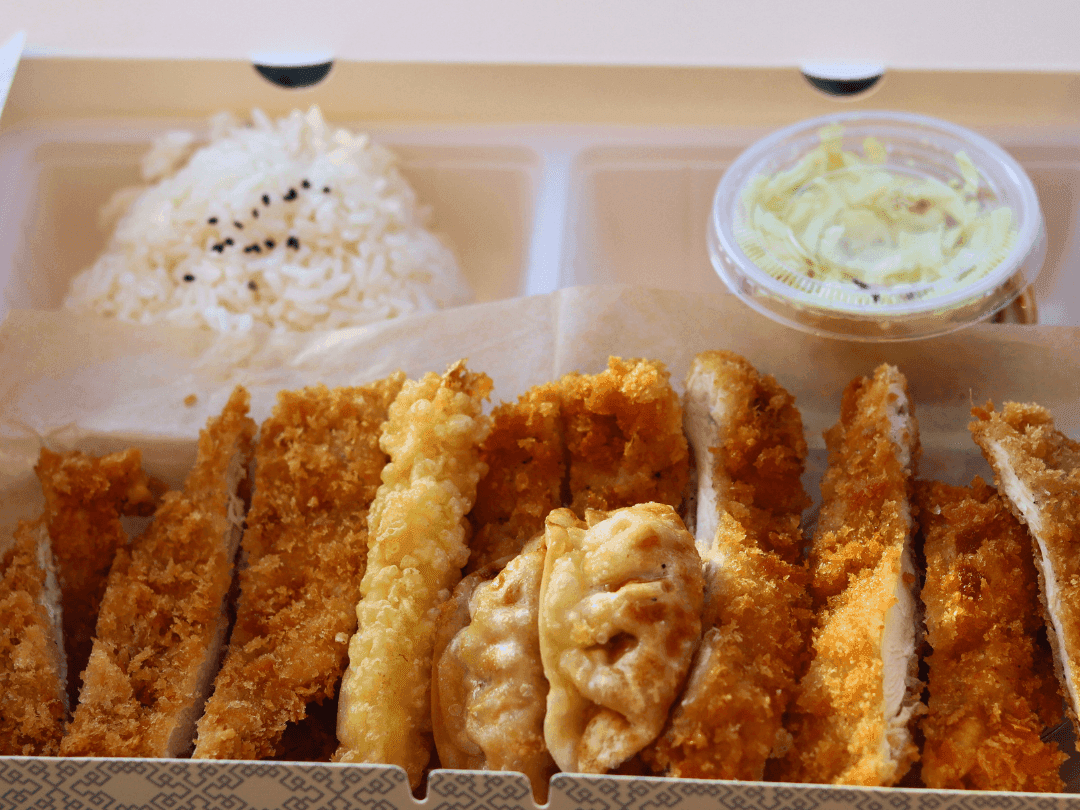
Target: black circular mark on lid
[294, 76]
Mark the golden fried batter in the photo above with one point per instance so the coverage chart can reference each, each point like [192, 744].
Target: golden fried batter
[747, 437]
[851, 719]
[33, 703]
[317, 470]
[416, 550]
[988, 686]
[526, 459]
[624, 437]
[620, 618]
[84, 500]
[488, 691]
[1037, 470]
[162, 620]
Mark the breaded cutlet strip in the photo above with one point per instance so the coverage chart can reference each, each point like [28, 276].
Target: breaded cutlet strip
[417, 546]
[85, 497]
[1037, 470]
[162, 621]
[33, 689]
[488, 691]
[317, 467]
[624, 437]
[620, 618]
[525, 454]
[851, 720]
[989, 687]
[747, 439]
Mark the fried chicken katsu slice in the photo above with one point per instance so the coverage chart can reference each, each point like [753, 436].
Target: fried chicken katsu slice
[85, 497]
[1037, 470]
[33, 688]
[417, 546]
[624, 437]
[489, 692]
[525, 454]
[748, 442]
[162, 620]
[620, 618]
[851, 720]
[317, 467]
[989, 686]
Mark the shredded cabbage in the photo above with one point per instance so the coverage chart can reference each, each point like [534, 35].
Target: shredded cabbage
[843, 217]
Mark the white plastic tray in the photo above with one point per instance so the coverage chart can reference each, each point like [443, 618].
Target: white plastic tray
[528, 209]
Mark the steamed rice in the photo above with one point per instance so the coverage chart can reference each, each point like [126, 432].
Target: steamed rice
[286, 223]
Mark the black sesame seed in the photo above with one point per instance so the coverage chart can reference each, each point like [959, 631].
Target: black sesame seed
[212, 220]
[253, 249]
[290, 196]
[326, 189]
[255, 213]
[189, 277]
[266, 199]
[860, 283]
[269, 244]
[229, 241]
[305, 184]
[293, 242]
[219, 247]
[239, 225]
[252, 285]
[876, 297]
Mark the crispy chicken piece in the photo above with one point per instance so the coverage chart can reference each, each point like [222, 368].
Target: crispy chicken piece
[988, 688]
[85, 498]
[33, 690]
[416, 549]
[525, 457]
[855, 705]
[748, 442]
[1037, 471]
[162, 621]
[489, 692]
[317, 468]
[620, 618]
[624, 437]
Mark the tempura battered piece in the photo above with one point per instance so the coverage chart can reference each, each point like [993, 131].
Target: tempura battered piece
[525, 454]
[416, 549]
[162, 621]
[988, 687]
[489, 692]
[33, 696]
[851, 720]
[1037, 470]
[317, 468]
[624, 437]
[747, 438]
[85, 498]
[620, 617]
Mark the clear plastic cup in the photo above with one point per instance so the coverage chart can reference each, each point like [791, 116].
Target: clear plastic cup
[840, 304]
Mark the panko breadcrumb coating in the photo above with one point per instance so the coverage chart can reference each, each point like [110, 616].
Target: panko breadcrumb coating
[747, 437]
[525, 454]
[1037, 470]
[851, 720]
[317, 468]
[988, 684]
[84, 500]
[162, 621]
[33, 696]
[488, 691]
[417, 547]
[624, 437]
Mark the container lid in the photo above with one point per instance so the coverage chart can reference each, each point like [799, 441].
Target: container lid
[876, 226]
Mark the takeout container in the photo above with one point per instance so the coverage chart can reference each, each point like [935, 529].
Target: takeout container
[770, 273]
[544, 179]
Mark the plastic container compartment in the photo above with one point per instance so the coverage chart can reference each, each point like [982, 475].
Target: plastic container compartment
[794, 286]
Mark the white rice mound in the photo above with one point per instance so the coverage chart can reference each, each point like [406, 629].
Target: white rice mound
[348, 249]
